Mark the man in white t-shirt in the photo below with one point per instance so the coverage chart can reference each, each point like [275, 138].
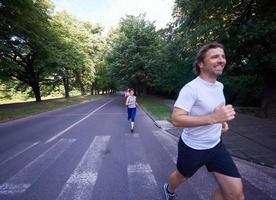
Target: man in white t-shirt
[200, 108]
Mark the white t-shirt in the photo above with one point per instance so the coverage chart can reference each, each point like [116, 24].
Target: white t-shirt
[131, 100]
[200, 98]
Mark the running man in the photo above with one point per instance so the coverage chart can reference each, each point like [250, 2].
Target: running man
[131, 108]
[200, 108]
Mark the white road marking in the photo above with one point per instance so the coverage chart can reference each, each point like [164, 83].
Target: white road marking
[21, 181]
[81, 183]
[168, 142]
[63, 115]
[76, 123]
[141, 181]
[132, 134]
[17, 154]
[141, 178]
[112, 113]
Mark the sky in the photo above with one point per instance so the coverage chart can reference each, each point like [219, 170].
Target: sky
[109, 12]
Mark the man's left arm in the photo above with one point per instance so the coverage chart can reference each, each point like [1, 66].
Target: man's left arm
[225, 127]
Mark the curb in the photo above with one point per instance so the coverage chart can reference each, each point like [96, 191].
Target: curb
[148, 114]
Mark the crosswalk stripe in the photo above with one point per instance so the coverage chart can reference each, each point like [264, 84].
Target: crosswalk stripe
[21, 181]
[141, 173]
[81, 183]
[168, 142]
[18, 153]
[142, 183]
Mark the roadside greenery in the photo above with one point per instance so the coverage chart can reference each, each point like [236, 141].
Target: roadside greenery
[42, 52]
[33, 108]
[246, 28]
[134, 54]
[156, 109]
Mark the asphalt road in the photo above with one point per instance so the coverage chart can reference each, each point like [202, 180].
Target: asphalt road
[87, 152]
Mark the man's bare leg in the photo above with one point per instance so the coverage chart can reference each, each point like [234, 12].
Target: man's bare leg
[217, 195]
[175, 179]
[231, 188]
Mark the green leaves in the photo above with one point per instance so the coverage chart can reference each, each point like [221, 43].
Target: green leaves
[135, 53]
[246, 28]
[22, 40]
[44, 50]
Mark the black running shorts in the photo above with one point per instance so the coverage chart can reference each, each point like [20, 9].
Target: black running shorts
[216, 159]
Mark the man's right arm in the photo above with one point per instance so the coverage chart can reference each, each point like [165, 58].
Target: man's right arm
[180, 117]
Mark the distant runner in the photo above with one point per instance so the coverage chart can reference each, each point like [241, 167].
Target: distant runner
[131, 105]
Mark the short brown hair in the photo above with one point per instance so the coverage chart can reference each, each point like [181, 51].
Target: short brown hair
[201, 52]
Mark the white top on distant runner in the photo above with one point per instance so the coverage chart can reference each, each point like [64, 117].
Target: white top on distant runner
[131, 101]
[200, 98]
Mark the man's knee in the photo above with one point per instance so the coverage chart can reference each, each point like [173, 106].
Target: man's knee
[179, 176]
[236, 194]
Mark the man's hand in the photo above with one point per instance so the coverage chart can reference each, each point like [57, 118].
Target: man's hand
[225, 127]
[223, 114]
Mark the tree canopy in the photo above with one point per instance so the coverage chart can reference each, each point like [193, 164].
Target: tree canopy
[247, 30]
[44, 50]
[134, 54]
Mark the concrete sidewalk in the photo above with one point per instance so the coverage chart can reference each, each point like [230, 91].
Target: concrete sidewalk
[249, 138]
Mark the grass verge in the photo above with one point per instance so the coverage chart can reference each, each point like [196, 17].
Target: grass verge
[33, 107]
[156, 109]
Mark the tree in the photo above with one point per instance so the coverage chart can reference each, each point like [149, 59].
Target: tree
[22, 51]
[75, 52]
[176, 67]
[133, 58]
[104, 80]
[247, 30]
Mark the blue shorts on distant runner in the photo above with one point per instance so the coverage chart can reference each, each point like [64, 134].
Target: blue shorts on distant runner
[131, 114]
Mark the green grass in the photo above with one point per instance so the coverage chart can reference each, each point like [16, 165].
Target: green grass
[19, 111]
[19, 97]
[158, 110]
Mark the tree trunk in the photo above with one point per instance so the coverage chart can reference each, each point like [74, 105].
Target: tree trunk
[79, 81]
[92, 90]
[82, 89]
[36, 90]
[33, 78]
[66, 87]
